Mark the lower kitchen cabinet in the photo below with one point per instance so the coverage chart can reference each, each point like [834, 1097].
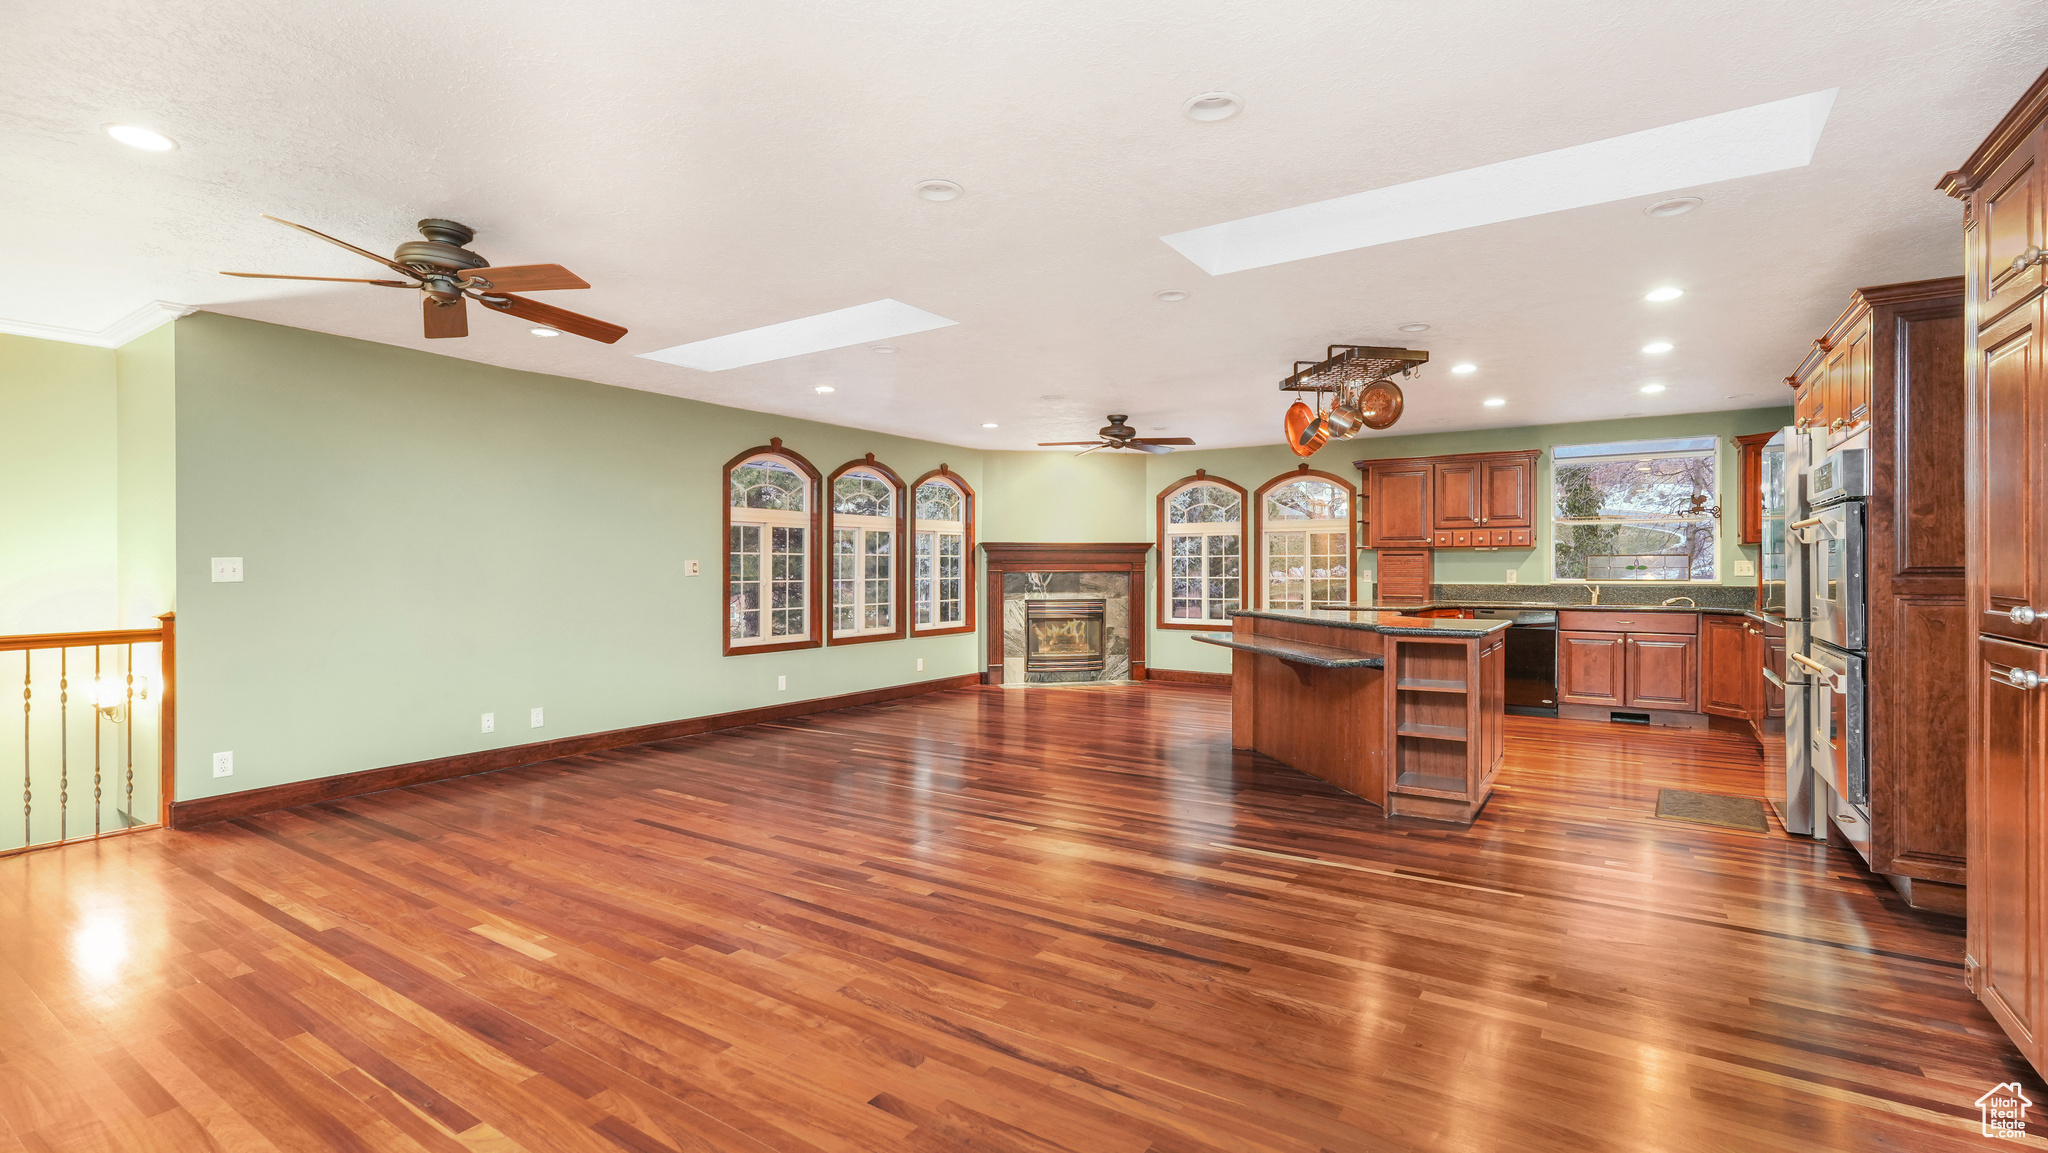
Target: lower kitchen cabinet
[1590, 669]
[1730, 666]
[1663, 672]
[2006, 894]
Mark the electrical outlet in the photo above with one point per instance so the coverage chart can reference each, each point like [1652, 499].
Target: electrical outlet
[781, 684]
[490, 722]
[536, 719]
[920, 664]
[1745, 567]
[227, 568]
[1514, 577]
[223, 764]
[690, 568]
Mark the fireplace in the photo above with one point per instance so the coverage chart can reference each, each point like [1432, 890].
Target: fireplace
[1063, 635]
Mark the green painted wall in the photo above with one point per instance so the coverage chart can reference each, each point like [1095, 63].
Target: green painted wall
[1252, 467]
[1059, 496]
[147, 476]
[60, 513]
[428, 539]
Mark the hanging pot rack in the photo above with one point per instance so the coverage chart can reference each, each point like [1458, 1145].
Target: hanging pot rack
[1363, 395]
[1350, 366]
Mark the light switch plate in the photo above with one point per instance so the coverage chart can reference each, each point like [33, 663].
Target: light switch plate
[223, 764]
[1514, 576]
[227, 568]
[690, 568]
[1745, 567]
[781, 684]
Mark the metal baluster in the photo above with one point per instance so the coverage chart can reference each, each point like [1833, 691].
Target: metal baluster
[96, 726]
[128, 706]
[63, 745]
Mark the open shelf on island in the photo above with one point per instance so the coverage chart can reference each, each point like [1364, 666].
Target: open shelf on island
[1418, 685]
[1430, 785]
[1431, 732]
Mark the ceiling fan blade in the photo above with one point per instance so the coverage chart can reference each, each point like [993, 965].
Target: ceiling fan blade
[1147, 446]
[1067, 443]
[1162, 440]
[363, 252]
[338, 279]
[548, 314]
[523, 278]
[1086, 451]
[444, 319]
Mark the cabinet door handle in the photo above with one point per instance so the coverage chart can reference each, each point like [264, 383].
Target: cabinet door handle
[2021, 615]
[2020, 678]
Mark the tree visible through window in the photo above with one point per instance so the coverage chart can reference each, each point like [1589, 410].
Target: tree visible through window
[1306, 538]
[941, 562]
[767, 552]
[1635, 510]
[1203, 550]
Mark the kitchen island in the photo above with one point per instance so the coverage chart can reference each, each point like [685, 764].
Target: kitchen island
[1404, 711]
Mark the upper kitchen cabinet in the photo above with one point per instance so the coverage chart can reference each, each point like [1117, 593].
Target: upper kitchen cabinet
[2005, 194]
[1398, 494]
[2011, 560]
[1834, 381]
[1750, 502]
[1473, 500]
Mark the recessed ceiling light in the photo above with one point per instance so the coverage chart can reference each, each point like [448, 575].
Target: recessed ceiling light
[940, 190]
[1660, 295]
[823, 388]
[1052, 396]
[1495, 401]
[1158, 428]
[883, 350]
[543, 332]
[135, 136]
[1657, 347]
[1464, 369]
[1170, 295]
[989, 424]
[1212, 106]
[1676, 206]
[1418, 326]
[877, 319]
[1653, 388]
[1745, 142]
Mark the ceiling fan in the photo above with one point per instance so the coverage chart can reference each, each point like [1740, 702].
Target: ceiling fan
[447, 274]
[1117, 434]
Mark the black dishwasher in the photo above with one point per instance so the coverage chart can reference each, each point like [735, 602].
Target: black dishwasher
[1532, 659]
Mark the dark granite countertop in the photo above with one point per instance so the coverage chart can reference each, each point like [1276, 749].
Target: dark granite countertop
[1393, 622]
[1464, 604]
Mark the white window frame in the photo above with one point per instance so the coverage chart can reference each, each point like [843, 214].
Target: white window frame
[766, 520]
[863, 529]
[927, 542]
[1170, 557]
[1641, 450]
[1307, 530]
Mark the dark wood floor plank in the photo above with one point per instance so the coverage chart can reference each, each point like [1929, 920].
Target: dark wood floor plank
[1037, 921]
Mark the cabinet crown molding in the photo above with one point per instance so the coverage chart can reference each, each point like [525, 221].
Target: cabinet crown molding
[2019, 123]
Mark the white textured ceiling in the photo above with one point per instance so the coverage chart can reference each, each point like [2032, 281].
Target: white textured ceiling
[712, 167]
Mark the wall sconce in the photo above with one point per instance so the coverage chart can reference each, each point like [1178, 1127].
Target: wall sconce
[110, 695]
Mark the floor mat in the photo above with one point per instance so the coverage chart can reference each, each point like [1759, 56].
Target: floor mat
[1745, 813]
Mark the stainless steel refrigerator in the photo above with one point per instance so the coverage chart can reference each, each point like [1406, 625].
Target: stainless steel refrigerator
[1783, 576]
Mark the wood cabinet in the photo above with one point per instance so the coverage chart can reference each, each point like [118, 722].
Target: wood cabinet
[2005, 496]
[1404, 577]
[1749, 501]
[1730, 666]
[1833, 384]
[2007, 931]
[1654, 666]
[1399, 492]
[1474, 500]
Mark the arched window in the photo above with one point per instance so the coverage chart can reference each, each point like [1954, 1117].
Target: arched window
[1305, 558]
[942, 592]
[1201, 546]
[867, 545]
[771, 519]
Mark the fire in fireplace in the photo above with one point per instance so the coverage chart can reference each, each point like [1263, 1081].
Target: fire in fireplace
[1063, 635]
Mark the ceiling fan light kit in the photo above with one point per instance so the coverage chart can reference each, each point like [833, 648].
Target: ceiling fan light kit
[1358, 379]
[447, 275]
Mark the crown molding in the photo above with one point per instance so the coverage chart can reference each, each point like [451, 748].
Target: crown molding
[144, 319]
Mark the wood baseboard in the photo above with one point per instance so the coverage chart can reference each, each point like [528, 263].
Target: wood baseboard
[231, 806]
[1188, 676]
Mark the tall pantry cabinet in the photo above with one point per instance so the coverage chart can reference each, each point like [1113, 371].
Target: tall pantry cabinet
[2005, 248]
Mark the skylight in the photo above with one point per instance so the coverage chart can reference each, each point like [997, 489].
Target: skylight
[1746, 142]
[875, 320]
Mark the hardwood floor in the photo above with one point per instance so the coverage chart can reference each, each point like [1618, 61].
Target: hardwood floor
[1019, 921]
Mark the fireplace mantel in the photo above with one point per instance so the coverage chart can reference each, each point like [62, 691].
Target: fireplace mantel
[1002, 557]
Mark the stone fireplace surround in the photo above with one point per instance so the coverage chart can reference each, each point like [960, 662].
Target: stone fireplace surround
[1114, 573]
